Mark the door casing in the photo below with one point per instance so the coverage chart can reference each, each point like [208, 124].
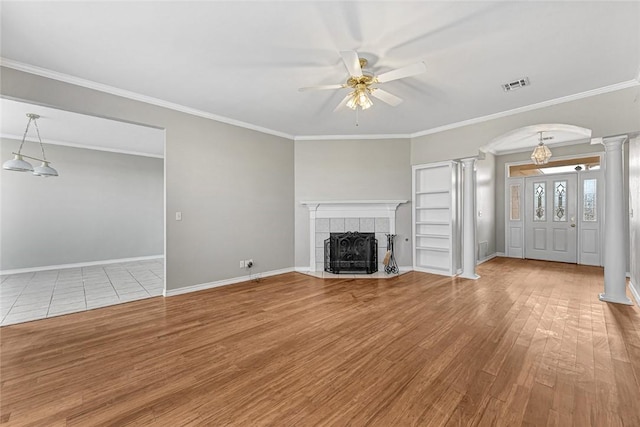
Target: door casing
[514, 230]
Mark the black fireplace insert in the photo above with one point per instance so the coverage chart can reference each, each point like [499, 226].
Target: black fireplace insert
[351, 252]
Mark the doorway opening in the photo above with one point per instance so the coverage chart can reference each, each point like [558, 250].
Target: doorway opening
[553, 212]
[94, 235]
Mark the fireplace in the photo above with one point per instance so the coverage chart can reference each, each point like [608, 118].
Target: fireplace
[339, 216]
[351, 252]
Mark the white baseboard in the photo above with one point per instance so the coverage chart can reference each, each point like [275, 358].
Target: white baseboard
[302, 269]
[405, 269]
[488, 258]
[78, 264]
[225, 282]
[635, 292]
[502, 254]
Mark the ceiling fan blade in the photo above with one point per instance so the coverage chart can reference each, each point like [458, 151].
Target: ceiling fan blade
[324, 87]
[401, 73]
[385, 96]
[352, 62]
[343, 103]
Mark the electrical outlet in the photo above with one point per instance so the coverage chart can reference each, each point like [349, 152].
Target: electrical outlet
[249, 263]
[242, 264]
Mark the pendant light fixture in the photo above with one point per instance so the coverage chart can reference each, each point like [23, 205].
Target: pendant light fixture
[541, 154]
[18, 163]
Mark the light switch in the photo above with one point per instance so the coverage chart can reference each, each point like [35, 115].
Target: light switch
[178, 216]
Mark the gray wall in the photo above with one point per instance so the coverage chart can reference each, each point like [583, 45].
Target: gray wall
[234, 186]
[375, 169]
[103, 206]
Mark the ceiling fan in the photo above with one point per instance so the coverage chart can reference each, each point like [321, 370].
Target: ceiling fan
[363, 84]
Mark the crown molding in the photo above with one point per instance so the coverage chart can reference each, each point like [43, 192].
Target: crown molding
[543, 104]
[43, 72]
[86, 147]
[343, 137]
[66, 78]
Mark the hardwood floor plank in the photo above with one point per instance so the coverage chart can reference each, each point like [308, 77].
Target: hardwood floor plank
[527, 344]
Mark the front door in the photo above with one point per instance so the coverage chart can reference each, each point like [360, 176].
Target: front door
[550, 218]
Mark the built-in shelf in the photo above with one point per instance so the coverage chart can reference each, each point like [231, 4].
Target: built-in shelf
[434, 206]
[432, 192]
[432, 248]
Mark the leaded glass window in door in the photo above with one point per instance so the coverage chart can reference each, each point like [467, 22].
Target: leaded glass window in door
[589, 211]
[560, 201]
[539, 201]
[514, 203]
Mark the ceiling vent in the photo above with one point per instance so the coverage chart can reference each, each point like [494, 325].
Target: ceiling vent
[508, 87]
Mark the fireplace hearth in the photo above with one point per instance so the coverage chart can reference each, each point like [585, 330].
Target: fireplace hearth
[351, 252]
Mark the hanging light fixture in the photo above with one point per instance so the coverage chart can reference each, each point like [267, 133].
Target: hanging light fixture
[541, 154]
[18, 163]
[360, 98]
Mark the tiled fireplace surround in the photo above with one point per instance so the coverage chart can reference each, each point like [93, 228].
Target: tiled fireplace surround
[325, 226]
[325, 217]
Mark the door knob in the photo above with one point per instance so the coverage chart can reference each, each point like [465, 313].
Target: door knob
[573, 225]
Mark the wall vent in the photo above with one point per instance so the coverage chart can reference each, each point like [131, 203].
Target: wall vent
[508, 87]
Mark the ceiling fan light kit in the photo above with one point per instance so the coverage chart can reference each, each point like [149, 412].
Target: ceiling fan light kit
[363, 85]
[18, 164]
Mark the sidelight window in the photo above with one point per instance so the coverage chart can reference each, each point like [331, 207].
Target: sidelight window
[514, 201]
[589, 207]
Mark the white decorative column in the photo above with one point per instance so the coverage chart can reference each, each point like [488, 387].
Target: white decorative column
[614, 216]
[469, 219]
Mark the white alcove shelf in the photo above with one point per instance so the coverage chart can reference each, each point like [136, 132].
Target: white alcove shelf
[435, 216]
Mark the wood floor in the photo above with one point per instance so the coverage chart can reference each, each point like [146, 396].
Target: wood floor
[527, 344]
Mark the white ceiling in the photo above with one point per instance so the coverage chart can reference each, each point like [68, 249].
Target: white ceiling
[245, 60]
[78, 130]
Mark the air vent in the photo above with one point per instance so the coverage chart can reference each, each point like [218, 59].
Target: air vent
[508, 87]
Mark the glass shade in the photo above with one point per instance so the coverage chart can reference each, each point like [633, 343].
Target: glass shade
[359, 98]
[541, 155]
[364, 101]
[45, 170]
[17, 164]
[353, 101]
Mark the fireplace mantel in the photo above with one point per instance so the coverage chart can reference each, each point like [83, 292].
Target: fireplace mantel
[348, 209]
[352, 208]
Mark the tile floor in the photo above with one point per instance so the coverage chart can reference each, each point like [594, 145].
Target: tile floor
[31, 296]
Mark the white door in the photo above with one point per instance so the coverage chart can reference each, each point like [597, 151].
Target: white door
[550, 217]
